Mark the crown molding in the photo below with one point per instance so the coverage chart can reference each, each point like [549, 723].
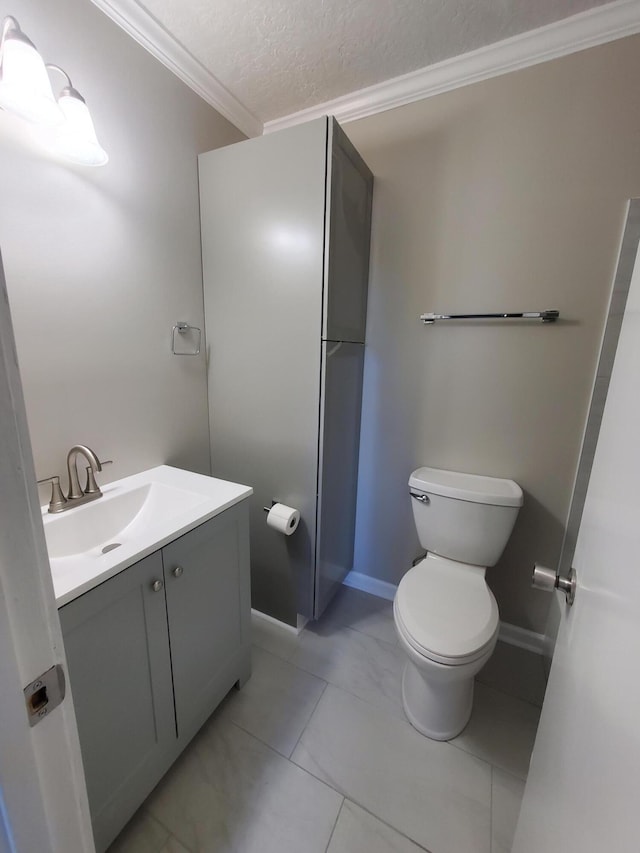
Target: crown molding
[586, 29]
[152, 36]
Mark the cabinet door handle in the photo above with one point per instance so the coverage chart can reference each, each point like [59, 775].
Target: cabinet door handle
[156, 586]
[178, 571]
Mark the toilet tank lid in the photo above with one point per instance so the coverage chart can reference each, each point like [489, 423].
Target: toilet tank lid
[467, 487]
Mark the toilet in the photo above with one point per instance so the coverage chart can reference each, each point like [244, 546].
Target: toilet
[445, 615]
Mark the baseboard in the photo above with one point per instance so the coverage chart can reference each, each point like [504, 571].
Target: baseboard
[512, 634]
[521, 637]
[381, 589]
[294, 629]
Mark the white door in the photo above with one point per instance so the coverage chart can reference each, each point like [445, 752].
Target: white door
[583, 790]
[43, 802]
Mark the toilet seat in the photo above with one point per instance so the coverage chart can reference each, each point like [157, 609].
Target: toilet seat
[445, 611]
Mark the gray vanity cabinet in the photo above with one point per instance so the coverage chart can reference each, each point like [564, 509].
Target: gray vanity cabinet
[209, 616]
[117, 648]
[151, 652]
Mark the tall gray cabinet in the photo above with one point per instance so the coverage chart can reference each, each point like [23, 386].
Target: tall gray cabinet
[285, 244]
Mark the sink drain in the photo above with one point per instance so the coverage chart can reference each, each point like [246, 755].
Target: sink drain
[108, 548]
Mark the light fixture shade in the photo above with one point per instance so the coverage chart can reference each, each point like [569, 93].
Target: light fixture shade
[25, 88]
[76, 139]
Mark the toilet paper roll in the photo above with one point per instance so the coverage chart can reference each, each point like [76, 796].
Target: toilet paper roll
[283, 518]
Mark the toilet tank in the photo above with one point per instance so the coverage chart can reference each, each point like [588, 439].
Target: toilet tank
[465, 517]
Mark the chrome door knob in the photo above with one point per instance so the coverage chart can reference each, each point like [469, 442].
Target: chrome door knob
[156, 586]
[178, 571]
[548, 580]
[543, 578]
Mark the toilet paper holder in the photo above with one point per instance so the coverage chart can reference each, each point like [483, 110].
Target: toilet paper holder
[282, 518]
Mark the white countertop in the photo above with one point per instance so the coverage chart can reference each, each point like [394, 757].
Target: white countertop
[162, 504]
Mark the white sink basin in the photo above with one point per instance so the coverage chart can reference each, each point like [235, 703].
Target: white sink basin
[134, 517]
[118, 515]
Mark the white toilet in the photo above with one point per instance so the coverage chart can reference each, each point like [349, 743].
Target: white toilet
[445, 614]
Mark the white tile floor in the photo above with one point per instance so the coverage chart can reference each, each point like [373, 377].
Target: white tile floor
[314, 754]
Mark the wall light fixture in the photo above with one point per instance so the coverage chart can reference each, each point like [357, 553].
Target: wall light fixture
[75, 139]
[25, 91]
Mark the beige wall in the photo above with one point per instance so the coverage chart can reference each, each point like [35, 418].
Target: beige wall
[509, 194]
[101, 263]
[506, 195]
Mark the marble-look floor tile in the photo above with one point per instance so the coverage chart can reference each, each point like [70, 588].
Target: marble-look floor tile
[506, 799]
[229, 793]
[174, 846]
[276, 702]
[502, 730]
[143, 834]
[435, 794]
[271, 637]
[369, 614]
[364, 665]
[516, 671]
[357, 831]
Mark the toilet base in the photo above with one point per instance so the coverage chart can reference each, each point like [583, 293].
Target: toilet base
[439, 710]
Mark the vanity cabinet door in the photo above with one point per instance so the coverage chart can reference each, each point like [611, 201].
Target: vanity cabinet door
[208, 608]
[117, 648]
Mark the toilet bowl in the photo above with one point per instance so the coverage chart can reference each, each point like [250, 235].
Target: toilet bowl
[446, 616]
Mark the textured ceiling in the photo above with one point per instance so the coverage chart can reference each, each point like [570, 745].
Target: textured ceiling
[280, 56]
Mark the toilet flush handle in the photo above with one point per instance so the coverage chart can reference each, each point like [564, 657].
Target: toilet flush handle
[424, 499]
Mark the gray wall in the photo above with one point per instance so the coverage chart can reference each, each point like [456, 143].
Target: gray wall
[508, 195]
[101, 263]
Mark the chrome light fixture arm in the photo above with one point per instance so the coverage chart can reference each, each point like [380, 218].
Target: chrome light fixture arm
[69, 89]
[11, 25]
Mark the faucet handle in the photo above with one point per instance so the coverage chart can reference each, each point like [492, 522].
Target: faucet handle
[91, 487]
[58, 500]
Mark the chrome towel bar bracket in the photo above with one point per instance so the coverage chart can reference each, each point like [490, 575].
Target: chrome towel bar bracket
[546, 316]
[184, 330]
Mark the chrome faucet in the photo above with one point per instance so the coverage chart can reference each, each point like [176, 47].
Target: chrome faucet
[76, 496]
[75, 492]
